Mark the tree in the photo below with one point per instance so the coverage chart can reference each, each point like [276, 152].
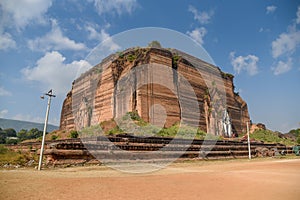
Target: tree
[154, 44]
[296, 132]
[34, 133]
[31, 134]
[4, 134]
[10, 132]
[22, 134]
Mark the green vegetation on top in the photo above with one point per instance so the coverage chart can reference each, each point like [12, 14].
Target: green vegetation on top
[268, 136]
[133, 123]
[155, 44]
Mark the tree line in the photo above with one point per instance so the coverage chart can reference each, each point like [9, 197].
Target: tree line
[10, 136]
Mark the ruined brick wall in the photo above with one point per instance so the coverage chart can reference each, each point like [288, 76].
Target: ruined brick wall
[66, 118]
[118, 88]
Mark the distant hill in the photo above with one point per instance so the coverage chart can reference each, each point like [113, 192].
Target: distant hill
[18, 125]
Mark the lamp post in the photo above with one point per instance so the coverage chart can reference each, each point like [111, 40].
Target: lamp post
[49, 94]
[248, 138]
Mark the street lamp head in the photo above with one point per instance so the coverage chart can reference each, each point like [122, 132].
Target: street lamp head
[50, 93]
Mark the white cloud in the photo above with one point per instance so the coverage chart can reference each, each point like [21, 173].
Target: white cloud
[102, 37]
[270, 9]
[3, 113]
[263, 30]
[283, 67]
[6, 42]
[286, 42]
[55, 40]
[202, 17]
[93, 33]
[22, 12]
[106, 45]
[298, 16]
[244, 63]
[285, 45]
[198, 34]
[4, 92]
[114, 6]
[50, 71]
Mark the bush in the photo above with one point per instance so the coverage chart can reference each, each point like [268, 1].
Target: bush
[11, 141]
[115, 130]
[155, 44]
[298, 140]
[200, 134]
[268, 136]
[134, 115]
[175, 59]
[169, 132]
[131, 57]
[54, 137]
[74, 134]
[296, 132]
[8, 156]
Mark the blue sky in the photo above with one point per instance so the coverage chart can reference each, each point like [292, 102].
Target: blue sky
[43, 43]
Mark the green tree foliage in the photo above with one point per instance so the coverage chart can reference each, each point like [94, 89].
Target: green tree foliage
[74, 134]
[155, 44]
[54, 137]
[22, 134]
[5, 134]
[2, 136]
[31, 134]
[34, 133]
[296, 132]
[9, 136]
[11, 132]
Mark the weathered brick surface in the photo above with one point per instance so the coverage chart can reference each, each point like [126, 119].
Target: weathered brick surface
[118, 85]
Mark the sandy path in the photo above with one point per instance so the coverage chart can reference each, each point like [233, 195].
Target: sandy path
[239, 179]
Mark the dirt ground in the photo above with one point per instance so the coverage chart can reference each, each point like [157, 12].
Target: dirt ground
[235, 179]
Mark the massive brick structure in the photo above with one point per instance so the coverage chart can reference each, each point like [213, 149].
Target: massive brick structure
[121, 83]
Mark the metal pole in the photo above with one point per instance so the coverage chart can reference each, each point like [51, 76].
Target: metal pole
[49, 94]
[249, 148]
